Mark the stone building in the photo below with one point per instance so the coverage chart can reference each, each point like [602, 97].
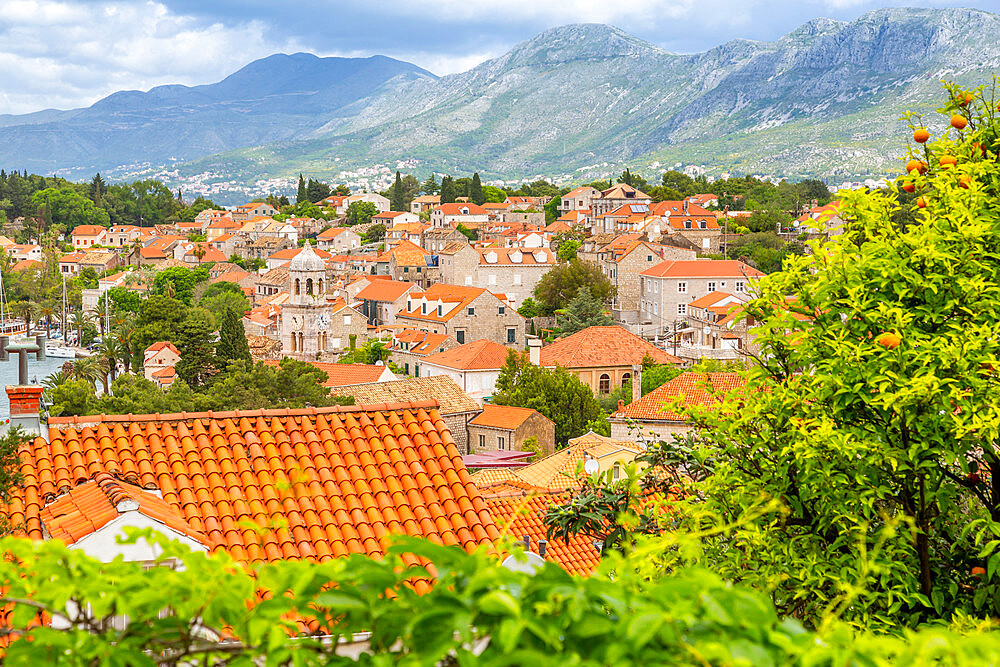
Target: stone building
[601, 357]
[667, 288]
[464, 313]
[504, 427]
[646, 420]
[306, 316]
[622, 261]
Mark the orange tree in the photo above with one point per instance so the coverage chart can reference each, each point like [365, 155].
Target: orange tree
[859, 473]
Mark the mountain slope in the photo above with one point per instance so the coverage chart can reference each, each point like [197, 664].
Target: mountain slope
[823, 100]
[275, 98]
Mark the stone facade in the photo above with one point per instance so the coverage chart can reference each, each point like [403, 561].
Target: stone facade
[457, 263]
[624, 274]
[306, 316]
[484, 316]
[344, 323]
[492, 438]
[663, 299]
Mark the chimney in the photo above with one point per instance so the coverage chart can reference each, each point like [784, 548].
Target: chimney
[535, 350]
[636, 382]
[543, 546]
[25, 403]
[685, 207]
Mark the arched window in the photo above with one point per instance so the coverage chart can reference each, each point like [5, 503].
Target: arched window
[625, 378]
[301, 347]
[319, 287]
[605, 384]
[294, 348]
[309, 285]
[319, 342]
[297, 286]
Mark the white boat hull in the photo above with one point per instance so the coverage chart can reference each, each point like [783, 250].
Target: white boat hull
[60, 353]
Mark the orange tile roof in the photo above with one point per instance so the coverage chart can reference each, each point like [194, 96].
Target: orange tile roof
[507, 256]
[710, 299]
[26, 264]
[520, 515]
[343, 374]
[702, 268]
[384, 290]
[694, 389]
[596, 347]
[88, 230]
[231, 276]
[491, 477]
[407, 253]
[90, 506]
[478, 355]
[504, 416]
[456, 209]
[321, 482]
[331, 232]
[162, 345]
[439, 388]
[463, 295]
[624, 191]
[420, 342]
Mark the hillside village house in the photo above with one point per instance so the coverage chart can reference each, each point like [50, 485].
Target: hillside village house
[623, 260]
[158, 363]
[282, 257]
[512, 270]
[457, 213]
[245, 212]
[382, 300]
[221, 226]
[338, 240]
[504, 427]
[578, 200]
[649, 419]
[390, 218]
[85, 236]
[411, 346]
[667, 288]
[603, 358]
[437, 239]
[613, 199]
[381, 203]
[474, 367]
[347, 324]
[716, 330]
[424, 203]
[464, 313]
[407, 261]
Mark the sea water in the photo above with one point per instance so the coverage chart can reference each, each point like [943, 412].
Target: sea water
[37, 372]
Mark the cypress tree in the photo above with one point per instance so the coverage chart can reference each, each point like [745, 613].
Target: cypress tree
[398, 203]
[476, 195]
[302, 194]
[233, 344]
[447, 190]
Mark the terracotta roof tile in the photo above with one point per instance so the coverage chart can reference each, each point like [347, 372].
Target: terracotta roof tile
[596, 347]
[440, 388]
[90, 506]
[172, 453]
[520, 515]
[504, 416]
[694, 389]
[481, 354]
[557, 472]
[702, 268]
[384, 290]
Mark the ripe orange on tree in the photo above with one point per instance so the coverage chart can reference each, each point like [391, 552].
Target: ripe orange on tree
[888, 339]
[921, 135]
[959, 122]
[921, 202]
[916, 165]
[947, 161]
[908, 186]
[964, 181]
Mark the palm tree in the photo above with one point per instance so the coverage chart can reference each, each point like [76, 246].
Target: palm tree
[123, 330]
[78, 320]
[137, 247]
[46, 311]
[89, 369]
[55, 379]
[111, 352]
[24, 310]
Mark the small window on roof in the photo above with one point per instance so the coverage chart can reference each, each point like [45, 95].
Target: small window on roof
[471, 310]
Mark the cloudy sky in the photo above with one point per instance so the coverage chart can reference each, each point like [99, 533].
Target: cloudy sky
[70, 53]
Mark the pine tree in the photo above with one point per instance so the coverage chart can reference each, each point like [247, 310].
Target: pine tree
[302, 195]
[476, 195]
[398, 203]
[232, 344]
[430, 186]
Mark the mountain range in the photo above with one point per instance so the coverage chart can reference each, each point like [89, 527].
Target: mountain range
[579, 100]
